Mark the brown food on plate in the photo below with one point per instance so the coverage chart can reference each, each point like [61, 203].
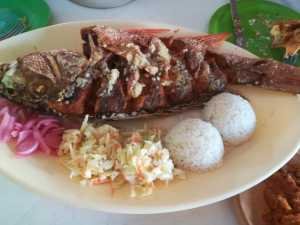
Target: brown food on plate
[282, 196]
[135, 73]
[286, 34]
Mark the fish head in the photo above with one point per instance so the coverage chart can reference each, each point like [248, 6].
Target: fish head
[37, 78]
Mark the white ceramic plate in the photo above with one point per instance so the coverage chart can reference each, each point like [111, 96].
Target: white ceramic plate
[275, 141]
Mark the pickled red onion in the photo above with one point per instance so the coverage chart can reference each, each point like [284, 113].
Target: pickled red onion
[5, 124]
[23, 135]
[27, 147]
[29, 132]
[46, 131]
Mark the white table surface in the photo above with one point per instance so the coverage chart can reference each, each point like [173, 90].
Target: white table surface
[20, 207]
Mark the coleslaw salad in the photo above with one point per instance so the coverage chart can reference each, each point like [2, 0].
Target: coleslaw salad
[102, 154]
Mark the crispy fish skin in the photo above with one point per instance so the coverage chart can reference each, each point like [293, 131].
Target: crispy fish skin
[157, 75]
[126, 74]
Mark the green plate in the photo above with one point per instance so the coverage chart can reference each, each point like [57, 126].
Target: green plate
[35, 14]
[257, 17]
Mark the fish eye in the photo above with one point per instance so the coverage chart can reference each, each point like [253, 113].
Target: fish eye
[38, 88]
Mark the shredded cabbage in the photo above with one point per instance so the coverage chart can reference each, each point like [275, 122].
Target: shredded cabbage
[101, 154]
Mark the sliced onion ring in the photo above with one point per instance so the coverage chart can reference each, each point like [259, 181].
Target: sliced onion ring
[27, 147]
[43, 146]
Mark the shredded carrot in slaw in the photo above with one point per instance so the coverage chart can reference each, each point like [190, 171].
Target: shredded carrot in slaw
[100, 155]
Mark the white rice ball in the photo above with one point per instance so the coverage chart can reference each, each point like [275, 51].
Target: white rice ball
[195, 145]
[232, 115]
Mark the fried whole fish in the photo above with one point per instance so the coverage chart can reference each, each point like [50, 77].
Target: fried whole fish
[134, 73]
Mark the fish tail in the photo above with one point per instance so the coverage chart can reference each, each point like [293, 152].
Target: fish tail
[265, 73]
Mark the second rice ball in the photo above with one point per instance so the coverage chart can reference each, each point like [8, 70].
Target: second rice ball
[232, 115]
